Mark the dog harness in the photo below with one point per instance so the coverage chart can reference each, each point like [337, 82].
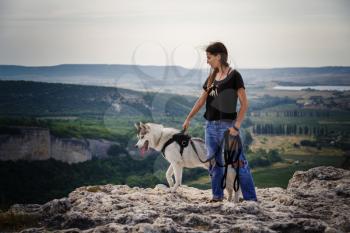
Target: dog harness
[181, 138]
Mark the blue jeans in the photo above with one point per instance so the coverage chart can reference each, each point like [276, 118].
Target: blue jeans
[246, 180]
[214, 133]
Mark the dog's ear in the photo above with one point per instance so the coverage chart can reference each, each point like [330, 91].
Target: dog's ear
[145, 128]
[137, 127]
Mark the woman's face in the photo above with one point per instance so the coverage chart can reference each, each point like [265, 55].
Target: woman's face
[213, 60]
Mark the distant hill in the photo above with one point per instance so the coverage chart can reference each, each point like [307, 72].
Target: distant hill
[27, 98]
[169, 79]
[143, 78]
[299, 76]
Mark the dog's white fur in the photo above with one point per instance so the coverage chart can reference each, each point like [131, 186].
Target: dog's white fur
[157, 135]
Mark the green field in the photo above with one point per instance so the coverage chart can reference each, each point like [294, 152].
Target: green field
[273, 176]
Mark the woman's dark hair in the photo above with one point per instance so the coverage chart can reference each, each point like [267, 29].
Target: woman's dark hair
[215, 49]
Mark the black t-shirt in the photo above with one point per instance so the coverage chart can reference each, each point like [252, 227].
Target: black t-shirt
[223, 106]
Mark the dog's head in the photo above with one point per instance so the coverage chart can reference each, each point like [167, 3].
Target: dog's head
[147, 134]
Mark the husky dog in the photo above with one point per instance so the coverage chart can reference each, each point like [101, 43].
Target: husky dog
[151, 135]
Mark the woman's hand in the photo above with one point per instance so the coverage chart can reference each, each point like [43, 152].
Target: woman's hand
[186, 124]
[233, 131]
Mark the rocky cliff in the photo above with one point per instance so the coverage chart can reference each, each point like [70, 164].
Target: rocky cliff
[317, 200]
[35, 143]
[27, 143]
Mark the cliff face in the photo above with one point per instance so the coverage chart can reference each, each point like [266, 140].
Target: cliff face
[317, 200]
[70, 150]
[29, 143]
[34, 143]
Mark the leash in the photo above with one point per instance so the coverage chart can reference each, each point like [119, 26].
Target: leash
[231, 156]
[213, 156]
[210, 157]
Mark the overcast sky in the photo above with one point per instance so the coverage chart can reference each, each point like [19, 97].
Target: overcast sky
[257, 33]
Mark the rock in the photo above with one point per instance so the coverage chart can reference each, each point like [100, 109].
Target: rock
[37, 143]
[55, 207]
[316, 200]
[343, 190]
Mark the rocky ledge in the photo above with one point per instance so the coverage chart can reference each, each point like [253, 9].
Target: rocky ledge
[317, 200]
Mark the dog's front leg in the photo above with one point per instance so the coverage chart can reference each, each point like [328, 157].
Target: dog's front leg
[236, 199]
[178, 176]
[169, 176]
[229, 190]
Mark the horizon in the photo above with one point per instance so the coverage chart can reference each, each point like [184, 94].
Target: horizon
[289, 67]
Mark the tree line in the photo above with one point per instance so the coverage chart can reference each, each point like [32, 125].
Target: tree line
[289, 129]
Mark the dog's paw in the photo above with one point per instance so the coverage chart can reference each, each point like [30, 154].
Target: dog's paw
[170, 183]
[172, 189]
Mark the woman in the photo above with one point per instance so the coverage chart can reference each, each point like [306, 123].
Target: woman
[221, 90]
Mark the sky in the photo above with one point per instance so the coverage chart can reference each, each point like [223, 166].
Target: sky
[257, 33]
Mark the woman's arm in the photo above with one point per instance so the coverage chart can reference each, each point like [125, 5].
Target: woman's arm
[198, 105]
[244, 106]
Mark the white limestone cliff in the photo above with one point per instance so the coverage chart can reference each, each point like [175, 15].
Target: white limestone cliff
[36, 143]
